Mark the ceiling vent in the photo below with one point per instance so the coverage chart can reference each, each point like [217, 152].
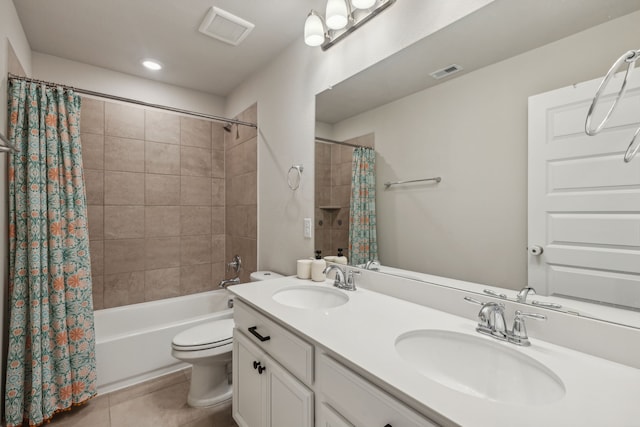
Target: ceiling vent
[447, 71]
[225, 26]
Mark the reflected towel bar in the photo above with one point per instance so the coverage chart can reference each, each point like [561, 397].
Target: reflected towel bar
[389, 184]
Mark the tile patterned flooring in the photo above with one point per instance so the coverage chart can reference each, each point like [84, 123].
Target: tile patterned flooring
[161, 402]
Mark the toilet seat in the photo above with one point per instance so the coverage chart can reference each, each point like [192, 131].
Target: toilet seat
[206, 336]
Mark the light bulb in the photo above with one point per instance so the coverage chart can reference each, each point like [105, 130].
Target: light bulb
[337, 14]
[152, 64]
[313, 30]
[363, 4]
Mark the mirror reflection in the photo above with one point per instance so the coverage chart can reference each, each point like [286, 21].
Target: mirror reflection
[473, 129]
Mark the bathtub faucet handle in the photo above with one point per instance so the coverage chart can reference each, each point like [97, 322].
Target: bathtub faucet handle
[236, 264]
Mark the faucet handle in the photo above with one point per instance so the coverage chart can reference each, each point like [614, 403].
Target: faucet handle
[518, 334]
[494, 294]
[351, 280]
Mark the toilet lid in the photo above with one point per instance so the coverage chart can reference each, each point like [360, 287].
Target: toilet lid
[207, 335]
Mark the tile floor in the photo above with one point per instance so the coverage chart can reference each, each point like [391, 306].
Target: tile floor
[161, 402]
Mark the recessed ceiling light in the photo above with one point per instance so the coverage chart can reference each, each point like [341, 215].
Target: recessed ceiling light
[152, 64]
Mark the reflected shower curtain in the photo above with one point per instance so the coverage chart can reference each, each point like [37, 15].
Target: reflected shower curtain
[51, 357]
[363, 245]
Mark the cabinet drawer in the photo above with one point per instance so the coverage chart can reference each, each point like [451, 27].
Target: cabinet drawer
[295, 354]
[360, 402]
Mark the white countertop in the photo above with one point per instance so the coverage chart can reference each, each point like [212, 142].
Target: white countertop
[364, 330]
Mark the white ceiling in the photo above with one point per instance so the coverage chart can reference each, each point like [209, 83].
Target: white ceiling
[498, 31]
[117, 34]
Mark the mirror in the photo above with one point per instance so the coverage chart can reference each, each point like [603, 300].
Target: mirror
[471, 129]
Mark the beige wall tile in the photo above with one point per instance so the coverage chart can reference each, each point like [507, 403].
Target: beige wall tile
[162, 252]
[92, 116]
[233, 161]
[162, 221]
[124, 121]
[341, 195]
[162, 189]
[123, 222]
[249, 189]
[96, 222]
[92, 151]
[323, 153]
[217, 164]
[195, 161]
[217, 248]
[195, 191]
[123, 188]
[250, 155]
[195, 278]
[94, 182]
[123, 256]
[123, 289]
[218, 272]
[162, 127]
[162, 158]
[195, 220]
[217, 220]
[97, 290]
[162, 283]
[217, 136]
[122, 154]
[252, 221]
[195, 132]
[96, 251]
[195, 250]
[217, 192]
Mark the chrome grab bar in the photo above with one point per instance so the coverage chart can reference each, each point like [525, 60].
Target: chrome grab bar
[389, 183]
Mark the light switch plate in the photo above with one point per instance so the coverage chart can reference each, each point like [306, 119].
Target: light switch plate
[307, 228]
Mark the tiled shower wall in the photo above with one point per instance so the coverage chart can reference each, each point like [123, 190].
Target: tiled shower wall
[333, 194]
[156, 201]
[242, 193]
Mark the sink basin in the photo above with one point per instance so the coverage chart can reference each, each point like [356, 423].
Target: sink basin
[479, 367]
[310, 297]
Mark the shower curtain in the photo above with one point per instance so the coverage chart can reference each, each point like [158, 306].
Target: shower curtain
[51, 356]
[363, 245]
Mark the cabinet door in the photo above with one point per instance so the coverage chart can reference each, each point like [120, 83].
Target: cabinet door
[330, 418]
[249, 387]
[289, 402]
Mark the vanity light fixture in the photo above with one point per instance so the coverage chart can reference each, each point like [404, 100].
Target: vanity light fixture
[342, 17]
[152, 64]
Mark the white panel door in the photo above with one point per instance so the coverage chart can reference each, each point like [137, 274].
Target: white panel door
[330, 418]
[584, 201]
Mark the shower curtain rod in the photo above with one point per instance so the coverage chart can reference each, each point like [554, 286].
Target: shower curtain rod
[134, 101]
[332, 141]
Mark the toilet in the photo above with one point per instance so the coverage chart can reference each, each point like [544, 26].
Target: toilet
[208, 348]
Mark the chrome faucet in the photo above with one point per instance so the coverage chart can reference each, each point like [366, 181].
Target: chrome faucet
[491, 319]
[228, 282]
[344, 279]
[491, 322]
[373, 265]
[524, 293]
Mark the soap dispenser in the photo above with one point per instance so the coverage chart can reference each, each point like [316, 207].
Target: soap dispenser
[341, 259]
[317, 268]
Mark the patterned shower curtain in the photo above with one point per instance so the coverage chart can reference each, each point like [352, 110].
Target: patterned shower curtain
[51, 357]
[363, 244]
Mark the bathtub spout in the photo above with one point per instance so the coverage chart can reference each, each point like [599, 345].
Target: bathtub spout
[227, 282]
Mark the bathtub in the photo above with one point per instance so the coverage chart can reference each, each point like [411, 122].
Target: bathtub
[133, 342]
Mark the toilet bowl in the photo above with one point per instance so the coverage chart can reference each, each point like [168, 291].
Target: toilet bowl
[208, 348]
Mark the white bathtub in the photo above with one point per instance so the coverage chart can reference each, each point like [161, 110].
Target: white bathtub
[133, 342]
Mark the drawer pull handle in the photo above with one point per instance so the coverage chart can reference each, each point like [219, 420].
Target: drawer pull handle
[256, 364]
[257, 335]
[261, 369]
[388, 425]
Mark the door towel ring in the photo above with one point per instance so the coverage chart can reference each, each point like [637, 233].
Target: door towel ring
[294, 183]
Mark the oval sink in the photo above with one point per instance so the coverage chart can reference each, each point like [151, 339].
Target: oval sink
[479, 367]
[310, 297]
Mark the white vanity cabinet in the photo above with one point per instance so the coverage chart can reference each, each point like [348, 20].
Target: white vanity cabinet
[346, 399]
[266, 393]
